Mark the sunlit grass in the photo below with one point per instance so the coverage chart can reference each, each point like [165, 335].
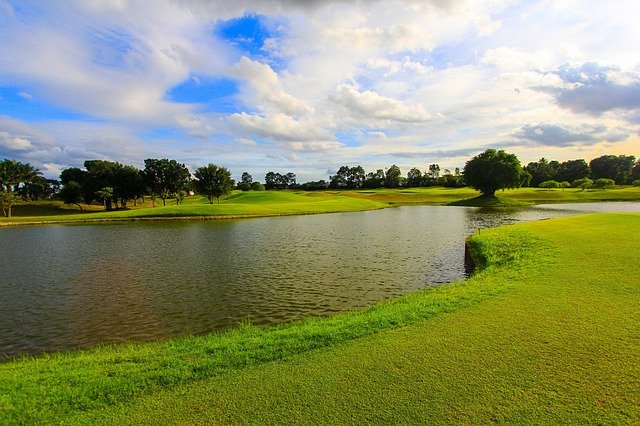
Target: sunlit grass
[274, 203]
[546, 333]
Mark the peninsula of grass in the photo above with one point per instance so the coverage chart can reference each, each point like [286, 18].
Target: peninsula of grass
[546, 332]
[289, 202]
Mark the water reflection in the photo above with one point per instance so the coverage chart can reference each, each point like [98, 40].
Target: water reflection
[76, 286]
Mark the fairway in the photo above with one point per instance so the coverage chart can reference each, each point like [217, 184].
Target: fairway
[547, 332]
[241, 204]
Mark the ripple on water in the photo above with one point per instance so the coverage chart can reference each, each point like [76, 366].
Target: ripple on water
[78, 286]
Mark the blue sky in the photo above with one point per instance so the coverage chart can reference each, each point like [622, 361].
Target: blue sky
[307, 86]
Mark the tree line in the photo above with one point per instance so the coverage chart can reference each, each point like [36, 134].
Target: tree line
[113, 184]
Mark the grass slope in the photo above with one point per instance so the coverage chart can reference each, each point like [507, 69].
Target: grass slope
[275, 203]
[547, 332]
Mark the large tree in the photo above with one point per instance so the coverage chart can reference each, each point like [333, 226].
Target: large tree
[13, 173]
[213, 181]
[493, 170]
[414, 177]
[393, 178]
[616, 167]
[165, 178]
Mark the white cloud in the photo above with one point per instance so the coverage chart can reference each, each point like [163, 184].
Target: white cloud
[370, 105]
[266, 90]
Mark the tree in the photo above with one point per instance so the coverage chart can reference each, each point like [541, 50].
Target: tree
[434, 171]
[245, 182]
[257, 186]
[348, 177]
[493, 170]
[13, 173]
[542, 171]
[635, 172]
[549, 184]
[573, 169]
[71, 193]
[604, 183]
[564, 184]
[165, 178]
[393, 177]
[213, 181]
[414, 177]
[7, 200]
[270, 180]
[619, 168]
[105, 194]
[584, 183]
[374, 180]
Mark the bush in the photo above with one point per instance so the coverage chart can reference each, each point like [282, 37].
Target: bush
[636, 182]
[257, 186]
[584, 183]
[604, 183]
[549, 184]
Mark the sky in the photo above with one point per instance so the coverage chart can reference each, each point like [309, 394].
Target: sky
[308, 86]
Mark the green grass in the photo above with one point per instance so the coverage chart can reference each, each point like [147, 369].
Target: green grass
[547, 332]
[275, 203]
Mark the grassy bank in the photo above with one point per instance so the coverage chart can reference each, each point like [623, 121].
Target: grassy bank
[275, 203]
[547, 332]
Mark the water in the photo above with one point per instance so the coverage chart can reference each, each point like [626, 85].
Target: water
[70, 286]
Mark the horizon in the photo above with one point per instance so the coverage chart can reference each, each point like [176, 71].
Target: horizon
[306, 87]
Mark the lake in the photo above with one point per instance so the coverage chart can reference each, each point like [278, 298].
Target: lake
[71, 286]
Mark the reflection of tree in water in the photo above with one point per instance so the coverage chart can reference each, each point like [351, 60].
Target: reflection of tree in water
[108, 303]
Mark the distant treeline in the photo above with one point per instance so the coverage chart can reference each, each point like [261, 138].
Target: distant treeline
[114, 184]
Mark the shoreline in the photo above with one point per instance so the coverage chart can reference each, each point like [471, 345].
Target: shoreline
[498, 203]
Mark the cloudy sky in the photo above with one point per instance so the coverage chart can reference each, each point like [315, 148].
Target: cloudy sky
[307, 86]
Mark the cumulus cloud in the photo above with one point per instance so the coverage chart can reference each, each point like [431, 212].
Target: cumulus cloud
[302, 134]
[266, 89]
[595, 89]
[563, 135]
[370, 105]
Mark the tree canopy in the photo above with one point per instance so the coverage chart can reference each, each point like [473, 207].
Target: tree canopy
[213, 181]
[493, 170]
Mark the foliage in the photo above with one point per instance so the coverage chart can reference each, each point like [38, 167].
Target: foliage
[14, 173]
[584, 183]
[213, 181]
[348, 177]
[604, 183]
[393, 178]
[165, 178]
[71, 193]
[493, 170]
[7, 200]
[319, 185]
[374, 179]
[278, 181]
[618, 168]
[542, 171]
[414, 177]
[573, 169]
[564, 184]
[549, 184]
[257, 186]
[636, 182]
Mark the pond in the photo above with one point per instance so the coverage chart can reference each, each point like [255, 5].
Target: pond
[70, 286]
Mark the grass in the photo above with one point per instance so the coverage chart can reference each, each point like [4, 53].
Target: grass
[275, 203]
[546, 332]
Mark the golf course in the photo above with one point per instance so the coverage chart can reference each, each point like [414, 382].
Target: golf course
[544, 331]
[240, 204]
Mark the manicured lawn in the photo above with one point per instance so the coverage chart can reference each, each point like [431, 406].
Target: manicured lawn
[273, 203]
[548, 332]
